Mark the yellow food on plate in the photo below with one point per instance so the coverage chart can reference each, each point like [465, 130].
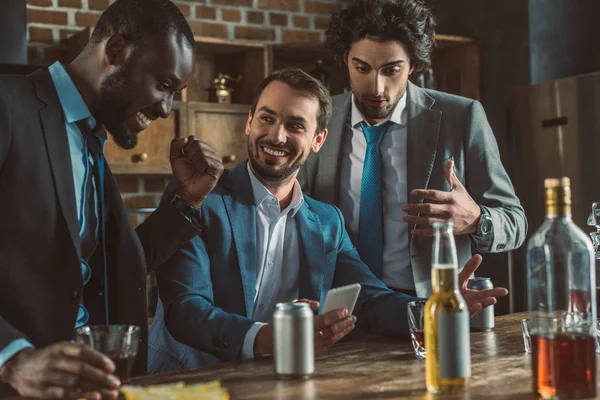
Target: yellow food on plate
[179, 391]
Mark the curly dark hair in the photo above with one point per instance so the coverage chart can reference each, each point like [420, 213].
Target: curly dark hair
[408, 21]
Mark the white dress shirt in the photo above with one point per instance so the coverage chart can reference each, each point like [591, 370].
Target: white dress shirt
[277, 257]
[396, 253]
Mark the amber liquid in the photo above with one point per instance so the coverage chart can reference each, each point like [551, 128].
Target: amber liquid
[419, 338]
[564, 366]
[123, 366]
[443, 300]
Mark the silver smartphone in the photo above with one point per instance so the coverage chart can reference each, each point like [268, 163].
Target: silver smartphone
[341, 297]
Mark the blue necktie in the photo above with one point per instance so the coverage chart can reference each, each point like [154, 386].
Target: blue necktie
[94, 230]
[370, 224]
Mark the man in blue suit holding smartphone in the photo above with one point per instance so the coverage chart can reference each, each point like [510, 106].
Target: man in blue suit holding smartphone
[264, 242]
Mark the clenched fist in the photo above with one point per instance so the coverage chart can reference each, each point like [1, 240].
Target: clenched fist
[196, 167]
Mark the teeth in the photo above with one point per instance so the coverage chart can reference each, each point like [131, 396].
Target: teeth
[144, 118]
[274, 153]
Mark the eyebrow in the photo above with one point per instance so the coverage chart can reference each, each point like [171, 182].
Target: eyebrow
[267, 110]
[175, 81]
[297, 118]
[390, 64]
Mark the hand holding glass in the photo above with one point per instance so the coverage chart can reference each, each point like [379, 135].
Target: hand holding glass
[118, 342]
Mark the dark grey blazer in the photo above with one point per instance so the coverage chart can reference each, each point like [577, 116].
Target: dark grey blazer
[440, 126]
[40, 271]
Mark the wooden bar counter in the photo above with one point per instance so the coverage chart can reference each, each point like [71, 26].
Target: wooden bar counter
[378, 369]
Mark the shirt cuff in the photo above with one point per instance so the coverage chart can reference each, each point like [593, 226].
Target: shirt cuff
[248, 347]
[13, 348]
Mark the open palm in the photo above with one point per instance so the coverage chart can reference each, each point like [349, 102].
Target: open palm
[477, 299]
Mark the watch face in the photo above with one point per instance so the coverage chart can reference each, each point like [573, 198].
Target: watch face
[486, 225]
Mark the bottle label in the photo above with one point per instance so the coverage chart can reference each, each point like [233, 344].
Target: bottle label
[454, 350]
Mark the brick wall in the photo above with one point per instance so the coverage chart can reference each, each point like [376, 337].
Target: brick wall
[270, 21]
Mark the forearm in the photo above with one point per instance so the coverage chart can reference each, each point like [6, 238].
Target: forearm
[509, 227]
[163, 233]
[490, 187]
[197, 324]
[385, 314]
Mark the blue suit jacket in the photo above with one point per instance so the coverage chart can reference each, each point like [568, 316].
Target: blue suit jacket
[207, 288]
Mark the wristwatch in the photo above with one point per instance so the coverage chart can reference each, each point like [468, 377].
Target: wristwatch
[191, 213]
[484, 227]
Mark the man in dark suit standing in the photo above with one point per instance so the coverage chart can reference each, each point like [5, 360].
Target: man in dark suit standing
[68, 255]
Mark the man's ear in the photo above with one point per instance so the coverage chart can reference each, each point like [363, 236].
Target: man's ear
[117, 50]
[319, 140]
[248, 123]
[346, 58]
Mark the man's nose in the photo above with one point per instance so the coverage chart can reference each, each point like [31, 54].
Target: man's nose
[278, 134]
[378, 87]
[164, 106]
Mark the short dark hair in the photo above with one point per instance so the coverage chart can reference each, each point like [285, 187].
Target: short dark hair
[137, 20]
[300, 80]
[407, 21]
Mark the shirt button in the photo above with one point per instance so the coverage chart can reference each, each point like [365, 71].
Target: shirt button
[261, 307]
[270, 263]
[74, 293]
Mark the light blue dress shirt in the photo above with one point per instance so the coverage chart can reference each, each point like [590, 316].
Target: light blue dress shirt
[278, 259]
[74, 109]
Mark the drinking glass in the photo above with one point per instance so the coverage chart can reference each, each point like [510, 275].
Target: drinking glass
[536, 324]
[417, 327]
[118, 342]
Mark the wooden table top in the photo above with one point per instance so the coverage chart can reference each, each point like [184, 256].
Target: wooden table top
[378, 369]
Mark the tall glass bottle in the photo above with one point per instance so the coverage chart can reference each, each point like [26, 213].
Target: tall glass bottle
[561, 281]
[448, 362]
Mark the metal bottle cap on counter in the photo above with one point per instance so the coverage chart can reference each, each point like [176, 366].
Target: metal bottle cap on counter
[484, 319]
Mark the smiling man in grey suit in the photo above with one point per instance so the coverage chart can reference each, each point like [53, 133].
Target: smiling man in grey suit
[416, 155]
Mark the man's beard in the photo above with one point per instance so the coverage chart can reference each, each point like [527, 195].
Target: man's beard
[375, 113]
[271, 175]
[113, 106]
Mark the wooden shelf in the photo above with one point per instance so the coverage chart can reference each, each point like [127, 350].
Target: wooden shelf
[233, 58]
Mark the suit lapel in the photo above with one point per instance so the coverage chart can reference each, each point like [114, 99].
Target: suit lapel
[312, 253]
[422, 139]
[242, 216]
[57, 144]
[328, 159]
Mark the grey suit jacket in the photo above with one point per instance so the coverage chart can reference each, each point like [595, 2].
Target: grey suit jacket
[441, 126]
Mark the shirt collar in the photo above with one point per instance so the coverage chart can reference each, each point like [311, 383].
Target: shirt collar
[398, 116]
[72, 103]
[262, 194]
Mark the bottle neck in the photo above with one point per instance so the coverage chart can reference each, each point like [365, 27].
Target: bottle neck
[558, 210]
[444, 278]
[558, 201]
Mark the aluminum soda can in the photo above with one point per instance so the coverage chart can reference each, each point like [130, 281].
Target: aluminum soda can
[293, 341]
[484, 319]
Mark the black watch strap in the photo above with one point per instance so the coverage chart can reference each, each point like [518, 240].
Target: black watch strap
[191, 213]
